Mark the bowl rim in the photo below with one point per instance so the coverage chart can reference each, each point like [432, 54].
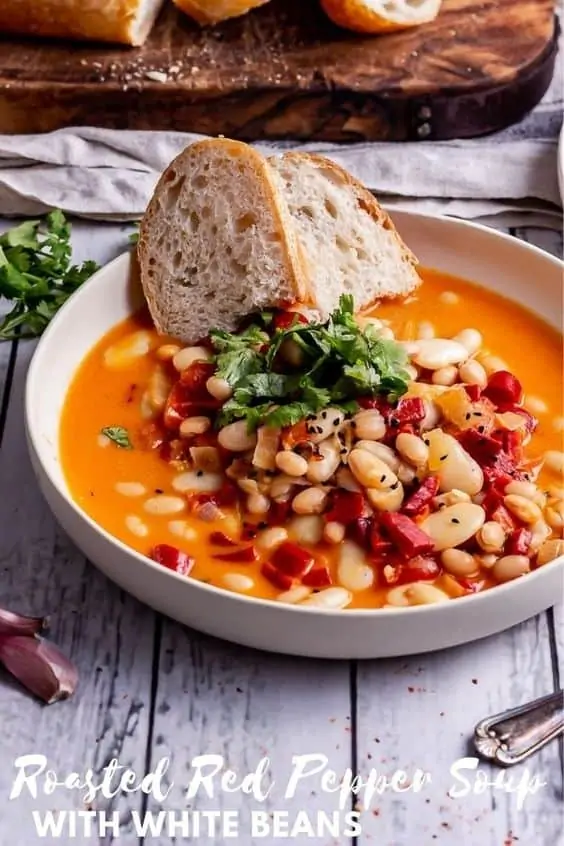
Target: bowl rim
[35, 444]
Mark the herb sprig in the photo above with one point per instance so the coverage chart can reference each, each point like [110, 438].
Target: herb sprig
[340, 362]
[36, 274]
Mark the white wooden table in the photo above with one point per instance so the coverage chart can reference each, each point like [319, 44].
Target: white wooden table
[150, 688]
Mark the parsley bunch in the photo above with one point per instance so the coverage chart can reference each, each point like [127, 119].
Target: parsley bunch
[340, 362]
[36, 274]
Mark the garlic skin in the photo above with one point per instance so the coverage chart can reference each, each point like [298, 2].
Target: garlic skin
[18, 624]
[39, 666]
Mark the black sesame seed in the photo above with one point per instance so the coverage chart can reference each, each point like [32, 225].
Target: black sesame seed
[320, 430]
[336, 421]
[310, 429]
[311, 417]
[468, 416]
[443, 457]
[455, 520]
[426, 441]
[159, 491]
[481, 429]
[477, 414]
[324, 415]
[382, 478]
[395, 486]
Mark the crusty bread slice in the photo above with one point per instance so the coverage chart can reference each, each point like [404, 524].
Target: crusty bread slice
[348, 242]
[211, 12]
[376, 16]
[217, 242]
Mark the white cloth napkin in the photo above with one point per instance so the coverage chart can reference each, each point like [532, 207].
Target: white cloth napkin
[110, 174]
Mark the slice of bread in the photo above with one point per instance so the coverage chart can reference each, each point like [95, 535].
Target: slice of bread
[217, 241]
[211, 12]
[378, 16]
[348, 242]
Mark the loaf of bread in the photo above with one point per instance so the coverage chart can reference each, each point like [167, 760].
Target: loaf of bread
[121, 21]
[228, 233]
[210, 12]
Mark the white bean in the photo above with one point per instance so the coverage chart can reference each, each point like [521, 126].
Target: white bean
[258, 504]
[439, 352]
[306, 529]
[523, 489]
[198, 481]
[412, 449]
[136, 526]
[420, 593]
[281, 487]
[237, 582]
[491, 537]
[535, 405]
[167, 351]
[389, 499]
[194, 426]
[330, 598]
[554, 461]
[493, 364]
[406, 473]
[446, 376]
[236, 438]
[269, 539]
[353, 570]
[146, 407]
[540, 531]
[182, 529]
[458, 562]
[219, 388]
[333, 532]
[158, 389]
[130, 488]
[206, 458]
[346, 480]
[558, 424]
[454, 467]
[324, 424]
[310, 501]
[103, 441]
[387, 334]
[425, 331]
[294, 595]
[471, 372]
[183, 359]
[124, 352]
[554, 516]
[469, 338]
[525, 509]
[321, 469]
[453, 525]
[370, 470]
[383, 452]
[451, 498]
[369, 424]
[449, 298]
[164, 505]
[291, 463]
[550, 550]
[510, 567]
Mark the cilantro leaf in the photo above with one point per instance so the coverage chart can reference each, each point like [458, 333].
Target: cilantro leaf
[118, 435]
[36, 274]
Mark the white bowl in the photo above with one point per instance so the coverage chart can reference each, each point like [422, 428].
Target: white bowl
[500, 262]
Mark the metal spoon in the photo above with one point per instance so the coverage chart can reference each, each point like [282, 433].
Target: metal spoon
[512, 736]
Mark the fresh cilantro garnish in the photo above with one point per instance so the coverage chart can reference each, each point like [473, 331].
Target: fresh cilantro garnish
[36, 274]
[340, 362]
[118, 435]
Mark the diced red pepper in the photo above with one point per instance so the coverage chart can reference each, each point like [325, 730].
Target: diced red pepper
[279, 511]
[379, 544]
[422, 497]
[471, 585]
[296, 434]
[179, 406]
[474, 392]
[174, 450]
[483, 448]
[518, 542]
[194, 379]
[318, 577]
[245, 555]
[503, 387]
[172, 558]
[285, 319]
[346, 506]
[293, 559]
[408, 410]
[221, 539]
[228, 494]
[420, 568]
[359, 530]
[512, 443]
[276, 577]
[406, 535]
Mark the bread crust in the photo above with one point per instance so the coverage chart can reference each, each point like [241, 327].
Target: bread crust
[95, 20]
[293, 262]
[359, 16]
[365, 200]
[210, 12]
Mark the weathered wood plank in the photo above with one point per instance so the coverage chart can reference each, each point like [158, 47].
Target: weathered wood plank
[244, 705]
[108, 635]
[547, 239]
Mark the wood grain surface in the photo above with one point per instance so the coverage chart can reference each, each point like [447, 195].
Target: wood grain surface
[286, 71]
[150, 687]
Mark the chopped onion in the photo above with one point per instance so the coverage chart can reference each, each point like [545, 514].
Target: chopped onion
[39, 666]
[16, 624]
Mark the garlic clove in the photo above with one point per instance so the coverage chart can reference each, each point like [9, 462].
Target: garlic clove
[39, 666]
[17, 624]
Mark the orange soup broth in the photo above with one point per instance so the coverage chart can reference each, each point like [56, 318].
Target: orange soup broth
[100, 397]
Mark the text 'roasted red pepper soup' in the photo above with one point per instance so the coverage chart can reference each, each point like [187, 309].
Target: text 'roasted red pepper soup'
[401, 459]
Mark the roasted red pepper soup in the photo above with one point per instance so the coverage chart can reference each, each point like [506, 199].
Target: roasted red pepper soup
[446, 490]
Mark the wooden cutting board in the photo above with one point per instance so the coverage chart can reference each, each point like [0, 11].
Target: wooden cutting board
[286, 71]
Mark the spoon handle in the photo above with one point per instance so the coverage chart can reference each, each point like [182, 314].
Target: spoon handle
[512, 736]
